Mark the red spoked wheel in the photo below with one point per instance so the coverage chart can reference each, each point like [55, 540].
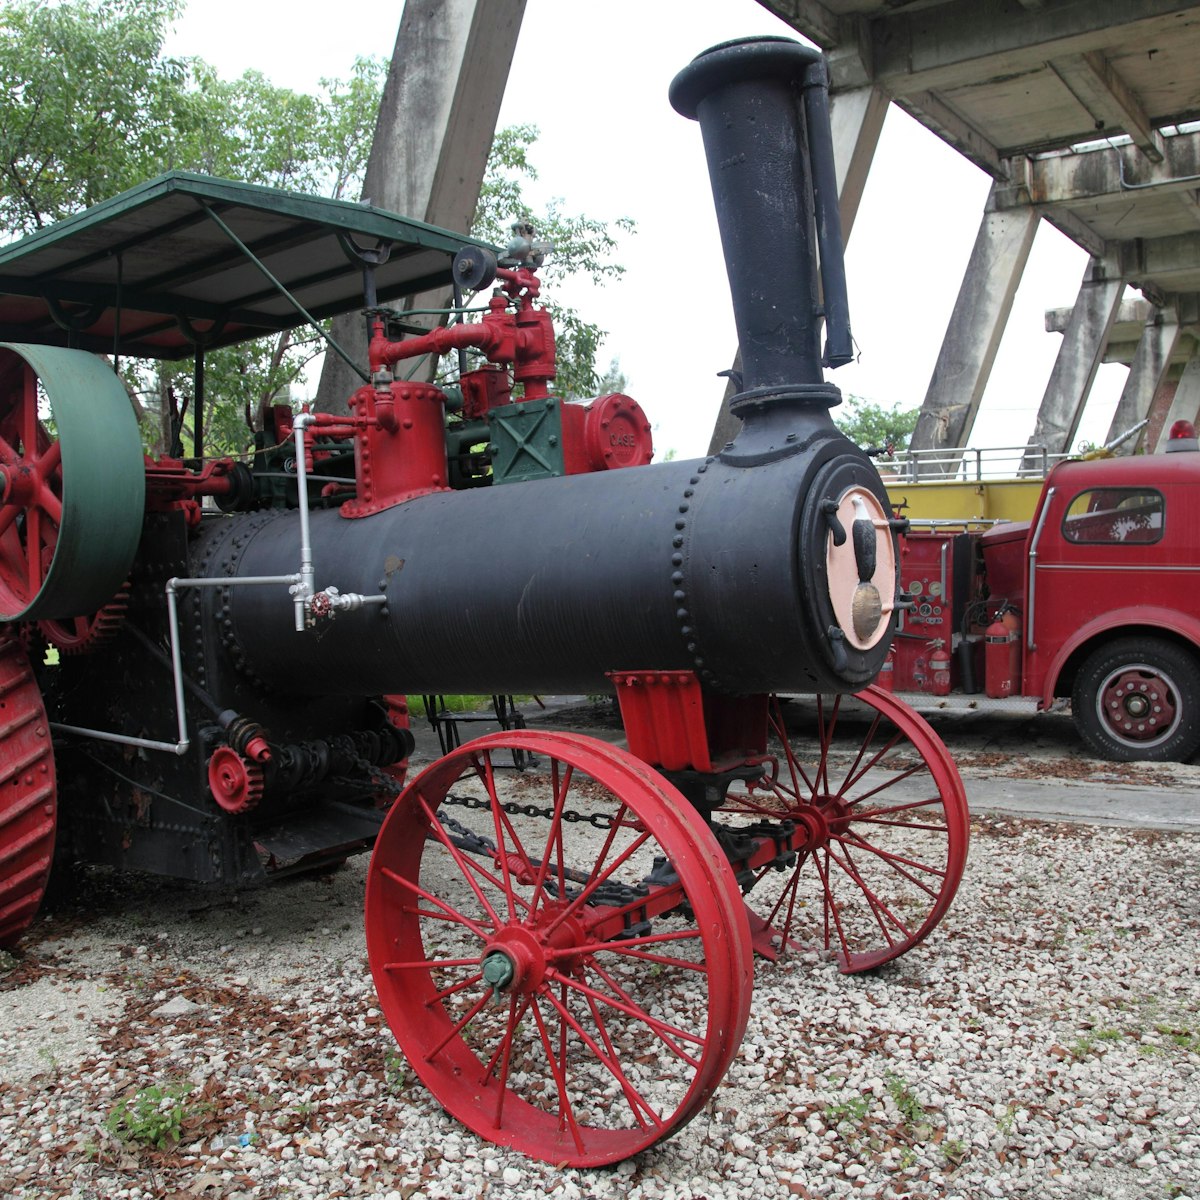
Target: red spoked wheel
[31, 509]
[562, 955]
[71, 506]
[28, 797]
[881, 832]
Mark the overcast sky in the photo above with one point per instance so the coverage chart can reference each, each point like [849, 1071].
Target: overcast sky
[593, 77]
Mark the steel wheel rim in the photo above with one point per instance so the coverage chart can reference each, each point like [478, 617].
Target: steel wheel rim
[1119, 700]
[882, 841]
[597, 1018]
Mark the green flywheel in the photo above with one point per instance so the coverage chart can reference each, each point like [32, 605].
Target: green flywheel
[71, 500]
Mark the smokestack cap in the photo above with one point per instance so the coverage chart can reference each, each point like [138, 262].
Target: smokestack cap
[731, 62]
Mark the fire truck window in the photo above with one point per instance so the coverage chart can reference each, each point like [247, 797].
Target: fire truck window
[1126, 515]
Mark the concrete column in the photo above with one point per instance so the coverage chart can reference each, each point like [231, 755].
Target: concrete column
[1079, 358]
[436, 123]
[856, 118]
[1186, 404]
[976, 326]
[1159, 407]
[1146, 374]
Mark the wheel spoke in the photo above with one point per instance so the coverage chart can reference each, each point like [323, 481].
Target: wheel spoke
[878, 908]
[439, 832]
[501, 824]
[639, 1106]
[452, 913]
[622, 1002]
[897, 863]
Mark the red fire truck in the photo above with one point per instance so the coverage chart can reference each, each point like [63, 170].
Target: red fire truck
[1096, 598]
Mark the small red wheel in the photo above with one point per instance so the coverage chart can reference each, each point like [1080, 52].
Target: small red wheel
[882, 831]
[236, 783]
[28, 795]
[562, 955]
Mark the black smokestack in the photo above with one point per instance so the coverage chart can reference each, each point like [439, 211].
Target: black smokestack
[763, 109]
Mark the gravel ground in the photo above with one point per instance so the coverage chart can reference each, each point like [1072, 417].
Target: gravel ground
[1045, 1042]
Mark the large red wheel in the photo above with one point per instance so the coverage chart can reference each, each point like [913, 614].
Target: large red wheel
[562, 955]
[27, 794]
[71, 506]
[881, 832]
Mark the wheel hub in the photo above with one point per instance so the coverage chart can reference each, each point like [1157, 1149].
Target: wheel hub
[516, 959]
[1137, 705]
[825, 817]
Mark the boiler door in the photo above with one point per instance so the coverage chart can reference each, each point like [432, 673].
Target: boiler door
[848, 565]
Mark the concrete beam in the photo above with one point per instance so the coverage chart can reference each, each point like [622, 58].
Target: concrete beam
[1114, 174]
[935, 114]
[976, 326]
[1186, 403]
[812, 19]
[1079, 358]
[1108, 99]
[435, 129]
[949, 46]
[1151, 360]
[1190, 200]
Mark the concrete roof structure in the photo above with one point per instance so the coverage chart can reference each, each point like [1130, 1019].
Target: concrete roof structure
[1085, 113]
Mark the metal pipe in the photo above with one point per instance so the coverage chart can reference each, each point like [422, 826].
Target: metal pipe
[1037, 533]
[839, 343]
[306, 586]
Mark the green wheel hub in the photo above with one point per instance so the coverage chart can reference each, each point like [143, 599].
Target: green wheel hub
[71, 505]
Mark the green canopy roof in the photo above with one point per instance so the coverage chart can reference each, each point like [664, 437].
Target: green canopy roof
[150, 272]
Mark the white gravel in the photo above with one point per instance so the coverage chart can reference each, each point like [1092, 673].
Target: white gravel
[1044, 1043]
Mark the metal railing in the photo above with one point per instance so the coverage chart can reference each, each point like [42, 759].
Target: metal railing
[968, 465]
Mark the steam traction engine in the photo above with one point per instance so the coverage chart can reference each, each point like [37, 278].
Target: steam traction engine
[564, 955]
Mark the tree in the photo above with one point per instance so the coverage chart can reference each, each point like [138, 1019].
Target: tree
[583, 245]
[90, 106]
[873, 426]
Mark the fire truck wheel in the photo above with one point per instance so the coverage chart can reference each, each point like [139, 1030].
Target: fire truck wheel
[1138, 700]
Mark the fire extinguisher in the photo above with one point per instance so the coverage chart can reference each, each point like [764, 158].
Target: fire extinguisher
[887, 673]
[939, 668]
[1002, 655]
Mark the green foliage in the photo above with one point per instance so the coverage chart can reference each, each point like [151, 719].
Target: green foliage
[395, 1073]
[88, 104]
[954, 1150]
[848, 1112]
[613, 379]
[871, 425]
[154, 1117]
[583, 245]
[912, 1111]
